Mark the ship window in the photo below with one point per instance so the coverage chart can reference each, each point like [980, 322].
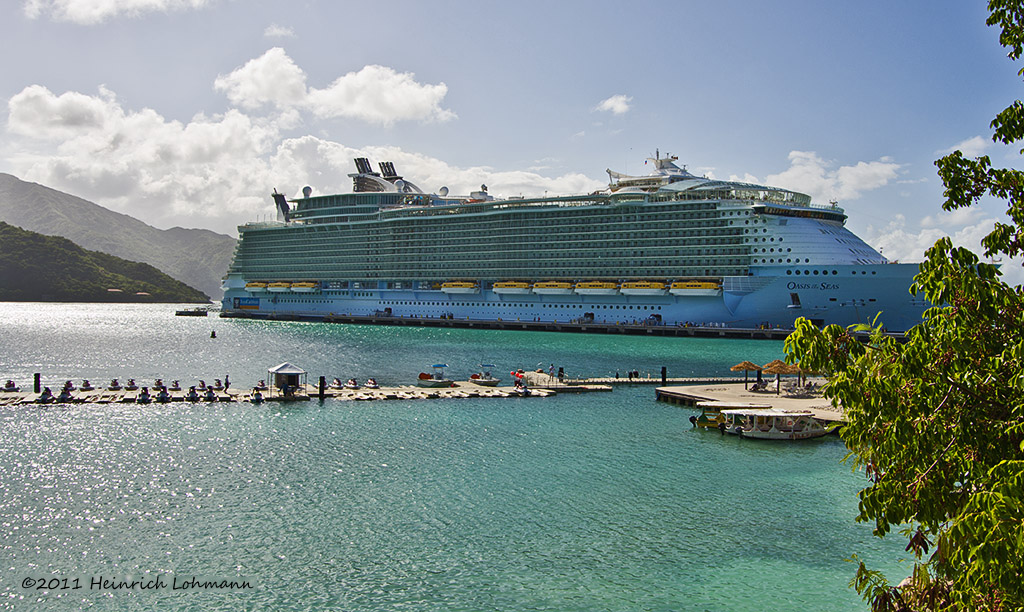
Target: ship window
[789, 271]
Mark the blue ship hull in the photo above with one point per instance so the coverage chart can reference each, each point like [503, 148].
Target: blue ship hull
[771, 296]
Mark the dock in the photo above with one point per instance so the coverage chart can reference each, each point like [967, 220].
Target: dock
[404, 392]
[734, 395]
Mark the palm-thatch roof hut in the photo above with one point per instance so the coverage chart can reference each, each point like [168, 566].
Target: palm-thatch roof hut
[746, 367]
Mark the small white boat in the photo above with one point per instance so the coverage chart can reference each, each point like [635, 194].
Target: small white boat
[436, 379]
[143, 397]
[773, 424]
[351, 384]
[162, 396]
[257, 397]
[371, 383]
[11, 387]
[336, 384]
[114, 385]
[131, 386]
[484, 377]
[86, 386]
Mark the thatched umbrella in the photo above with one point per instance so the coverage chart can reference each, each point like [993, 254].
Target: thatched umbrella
[779, 367]
[747, 367]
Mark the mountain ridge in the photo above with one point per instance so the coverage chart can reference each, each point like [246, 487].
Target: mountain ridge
[196, 257]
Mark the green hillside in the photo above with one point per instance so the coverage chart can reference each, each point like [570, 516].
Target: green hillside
[38, 268]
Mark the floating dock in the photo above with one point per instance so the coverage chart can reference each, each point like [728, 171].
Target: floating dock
[404, 392]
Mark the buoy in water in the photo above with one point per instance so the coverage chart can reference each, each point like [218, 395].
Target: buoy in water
[213, 334]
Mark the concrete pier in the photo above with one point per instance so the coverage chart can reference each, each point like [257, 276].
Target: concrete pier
[735, 395]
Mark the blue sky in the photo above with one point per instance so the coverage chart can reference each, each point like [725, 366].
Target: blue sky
[189, 112]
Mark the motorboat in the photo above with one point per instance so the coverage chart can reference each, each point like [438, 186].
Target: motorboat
[86, 386]
[159, 384]
[131, 386]
[210, 395]
[162, 396]
[46, 397]
[351, 384]
[68, 385]
[144, 397]
[175, 386]
[114, 385]
[262, 385]
[711, 413]
[10, 386]
[65, 396]
[484, 377]
[217, 386]
[335, 384]
[436, 379]
[257, 397]
[202, 385]
[773, 424]
[192, 396]
[371, 383]
[520, 388]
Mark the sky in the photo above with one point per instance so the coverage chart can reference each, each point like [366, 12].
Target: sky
[191, 112]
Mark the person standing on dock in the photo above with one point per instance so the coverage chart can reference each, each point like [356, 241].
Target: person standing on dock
[227, 383]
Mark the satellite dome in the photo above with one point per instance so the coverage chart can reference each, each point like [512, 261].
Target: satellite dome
[400, 184]
[307, 191]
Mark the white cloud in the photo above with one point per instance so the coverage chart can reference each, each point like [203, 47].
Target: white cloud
[91, 12]
[812, 175]
[276, 31]
[897, 243]
[375, 94]
[617, 104]
[972, 147]
[211, 171]
[271, 78]
[379, 94]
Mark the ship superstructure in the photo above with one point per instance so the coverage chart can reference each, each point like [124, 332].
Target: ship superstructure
[664, 248]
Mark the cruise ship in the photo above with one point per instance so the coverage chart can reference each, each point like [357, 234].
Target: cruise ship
[666, 248]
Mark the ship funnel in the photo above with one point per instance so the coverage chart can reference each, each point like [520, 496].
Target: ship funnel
[282, 206]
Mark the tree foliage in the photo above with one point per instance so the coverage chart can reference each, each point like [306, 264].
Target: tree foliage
[936, 423]
[39, 268]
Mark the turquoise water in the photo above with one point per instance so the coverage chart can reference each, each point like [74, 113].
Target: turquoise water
[605, 501]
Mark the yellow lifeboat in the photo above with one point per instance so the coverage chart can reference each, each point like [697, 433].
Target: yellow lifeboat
[643, 288]
[256, 286]
[696, 288]
[552, 288]
[279, 286]
[513, 287]
[460, 287]
[304, 287]
[596, 288]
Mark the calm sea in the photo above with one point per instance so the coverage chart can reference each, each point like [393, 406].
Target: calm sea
[603, 501]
